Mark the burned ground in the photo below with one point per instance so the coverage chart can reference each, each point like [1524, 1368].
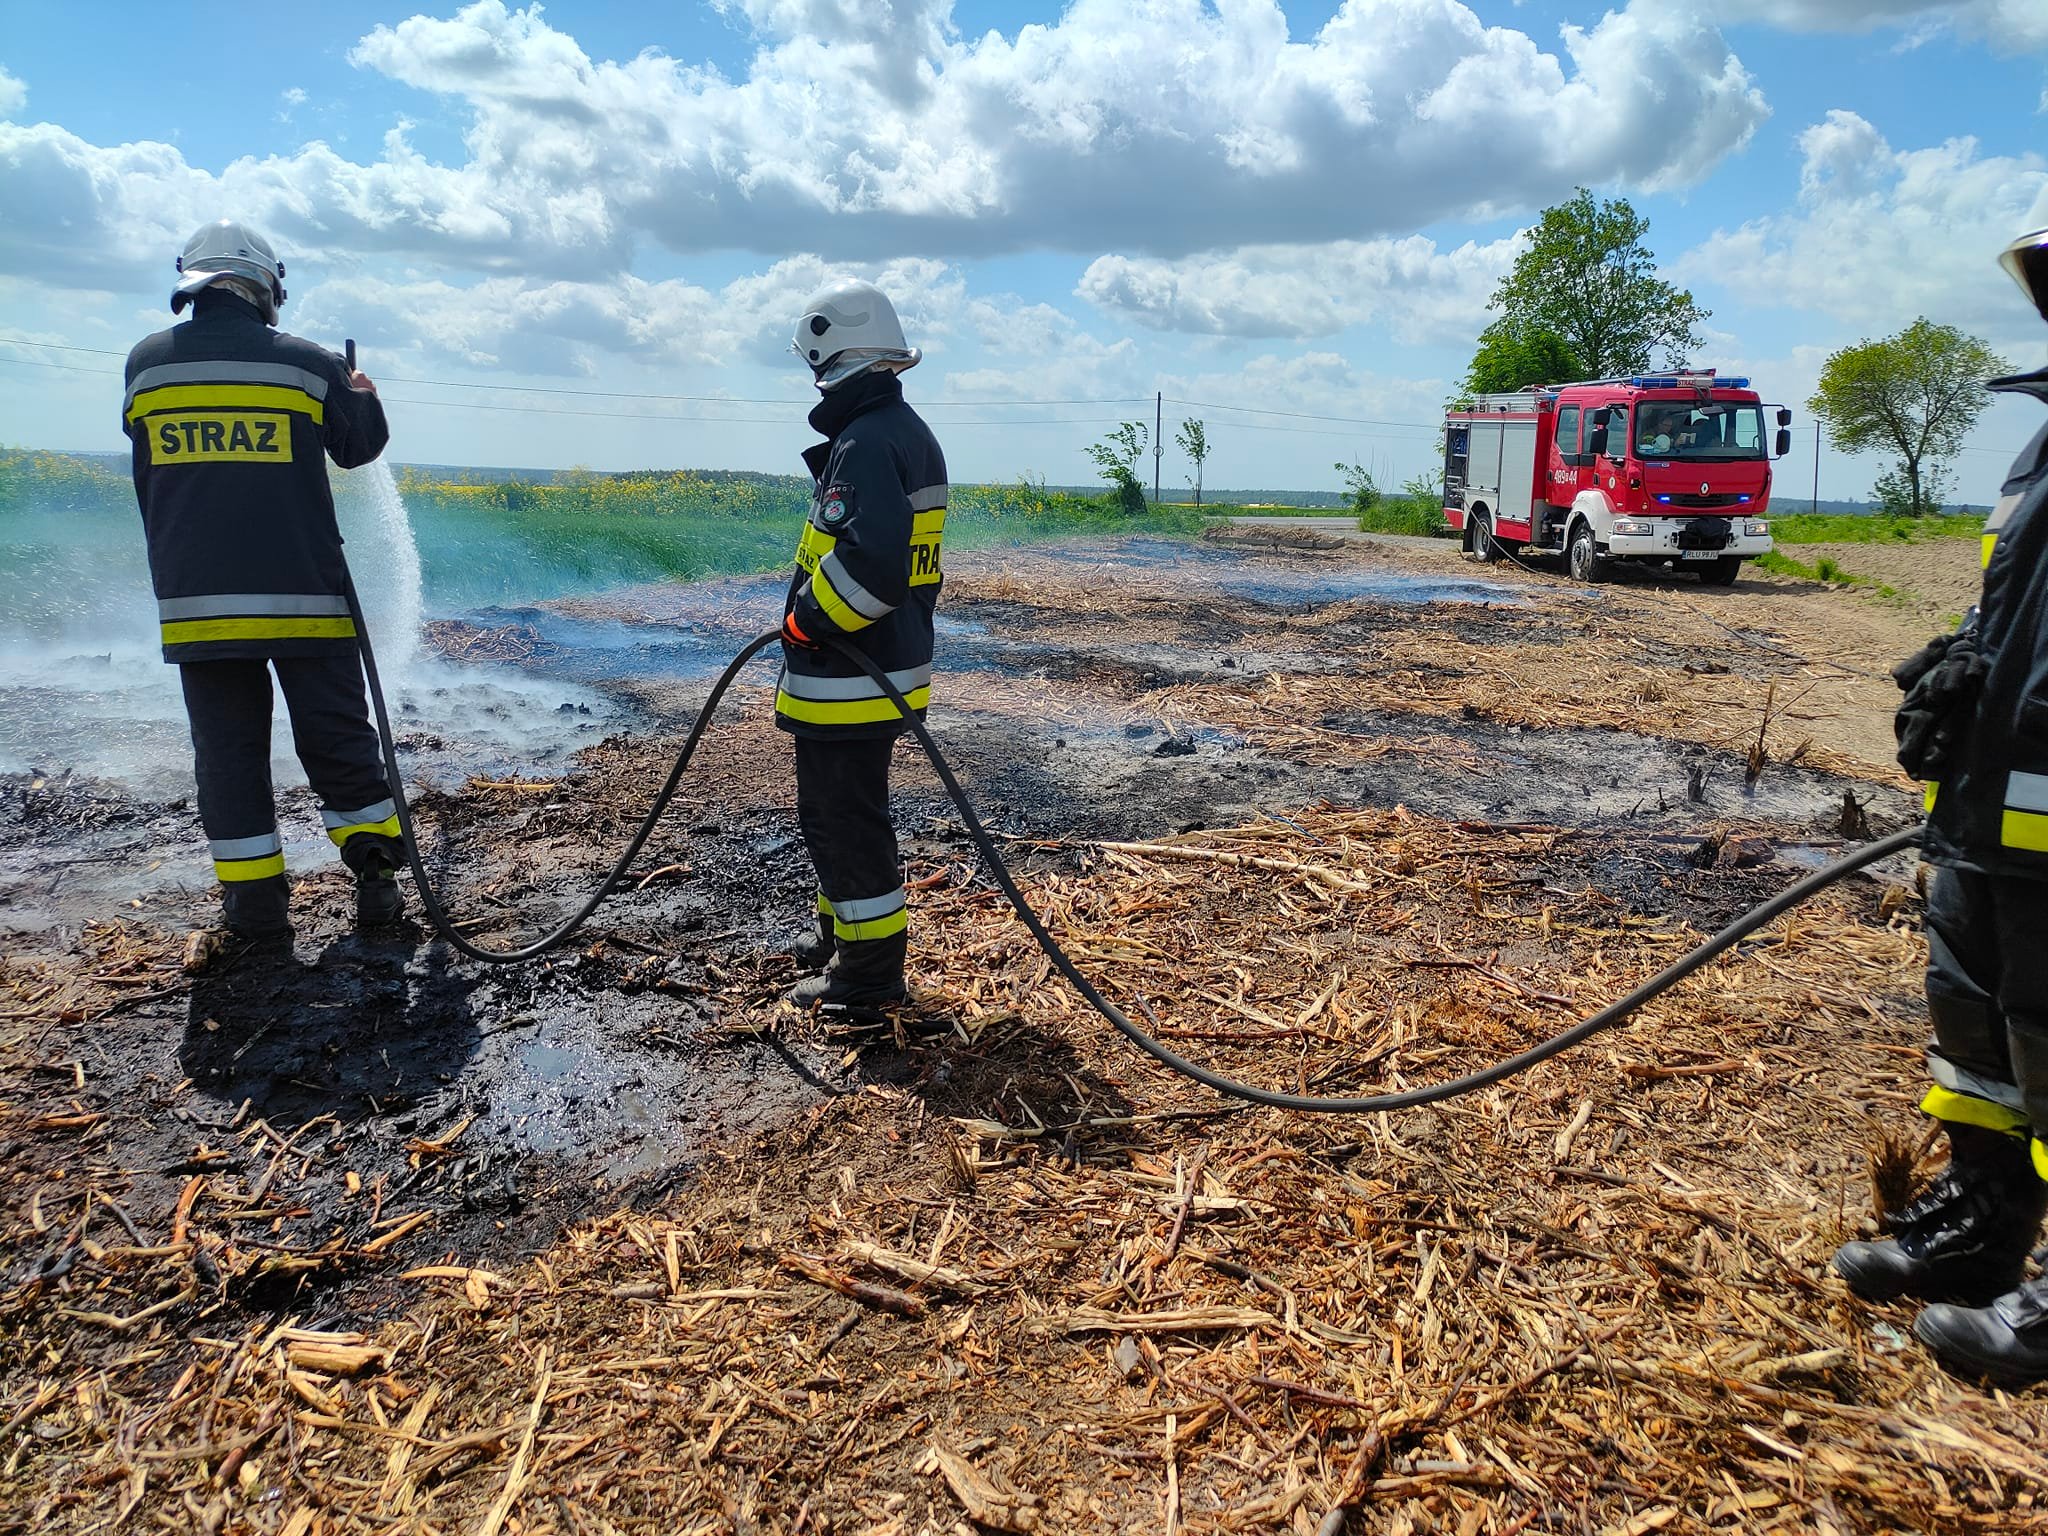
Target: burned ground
[616, 1242]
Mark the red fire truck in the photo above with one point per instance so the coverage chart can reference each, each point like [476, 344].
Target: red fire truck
[1672, 469]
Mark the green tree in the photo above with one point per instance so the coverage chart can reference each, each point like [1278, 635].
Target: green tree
[1584, 301]
[1117, 457]
[1193, 438]
[1511, 358]
[1359, 486]
[1914, 395]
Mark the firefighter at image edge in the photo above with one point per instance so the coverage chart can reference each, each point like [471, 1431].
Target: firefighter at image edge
[867, 573]
[229, 418]
[1974, 727]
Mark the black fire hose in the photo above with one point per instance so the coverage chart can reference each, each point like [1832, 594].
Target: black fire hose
[1613, 1014]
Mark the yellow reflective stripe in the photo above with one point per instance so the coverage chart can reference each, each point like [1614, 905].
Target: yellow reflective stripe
[239, 397]
[1990, 544]
[2040, 1159]
[249, 869]
[927, 530]
[388, 827]
[847, 711]
[1954, 1108]
[814, 546]
[824, 906]
[1927, 799]
[873, 928]
[192, 631]
[835, 607]
[2026, 830]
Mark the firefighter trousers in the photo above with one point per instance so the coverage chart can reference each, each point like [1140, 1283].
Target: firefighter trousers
[842, 807]
[229, 706]
[1987, 994]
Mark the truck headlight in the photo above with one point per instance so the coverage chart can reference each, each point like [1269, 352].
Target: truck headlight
[1634, 527]
[1756, 528]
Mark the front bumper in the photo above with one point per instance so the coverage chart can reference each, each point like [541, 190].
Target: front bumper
[1664, 546]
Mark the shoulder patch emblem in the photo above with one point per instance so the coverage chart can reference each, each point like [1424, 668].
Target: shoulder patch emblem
[837, 503]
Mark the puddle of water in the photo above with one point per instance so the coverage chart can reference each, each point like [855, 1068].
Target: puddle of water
[1304, 583]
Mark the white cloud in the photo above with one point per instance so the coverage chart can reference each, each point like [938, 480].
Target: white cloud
[13, 94]
[2013, 26]
[867, 130]
[1882, 235]
[1421, 293]
[569, 327]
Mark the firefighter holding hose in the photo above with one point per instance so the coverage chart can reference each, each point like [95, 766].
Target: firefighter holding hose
[229, 419]
[867, 575]
[1974, 727]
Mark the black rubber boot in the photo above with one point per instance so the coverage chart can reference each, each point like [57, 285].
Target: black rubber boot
[257, 911]
[2006, 1342]
[1967, 1238]
[864, 977]
[813, 951]
[379, 902]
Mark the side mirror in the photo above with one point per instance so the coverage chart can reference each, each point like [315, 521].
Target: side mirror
[1596, 442]
[1784, 440]
[1784, 417]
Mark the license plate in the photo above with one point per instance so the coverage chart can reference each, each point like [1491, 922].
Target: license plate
[1700, 554]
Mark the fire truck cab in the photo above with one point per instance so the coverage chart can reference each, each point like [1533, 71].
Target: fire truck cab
[1672, 469]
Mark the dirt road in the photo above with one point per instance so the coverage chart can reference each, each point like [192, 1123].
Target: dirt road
[595, 1229]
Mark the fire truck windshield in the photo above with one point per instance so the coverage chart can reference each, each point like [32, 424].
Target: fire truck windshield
[1683, 429]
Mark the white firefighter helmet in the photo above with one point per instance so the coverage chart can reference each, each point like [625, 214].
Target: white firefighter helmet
[849, 328]
[2027, 260]
[227, 249]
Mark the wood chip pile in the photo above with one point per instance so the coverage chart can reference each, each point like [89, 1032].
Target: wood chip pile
[1031, 1283]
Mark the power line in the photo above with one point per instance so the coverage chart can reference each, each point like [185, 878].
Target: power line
[606, 394]
[991, 404]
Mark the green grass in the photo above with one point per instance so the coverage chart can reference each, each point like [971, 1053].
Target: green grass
[1400, 514]
[1829, 528]
[1825, 570]
[519, 541]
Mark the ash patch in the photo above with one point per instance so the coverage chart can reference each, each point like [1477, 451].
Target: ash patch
[1575, 777]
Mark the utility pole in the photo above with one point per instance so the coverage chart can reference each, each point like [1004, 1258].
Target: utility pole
[1816, 469]
[1158, 442]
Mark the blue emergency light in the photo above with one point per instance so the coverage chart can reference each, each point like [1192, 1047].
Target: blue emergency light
[1675, 381]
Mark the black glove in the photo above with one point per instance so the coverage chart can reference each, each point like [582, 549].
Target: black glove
[1938, 707]
[1923, 661]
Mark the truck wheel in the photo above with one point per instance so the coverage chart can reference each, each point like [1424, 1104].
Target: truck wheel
[1584, 556]
[1484, 543]
[1722, 572]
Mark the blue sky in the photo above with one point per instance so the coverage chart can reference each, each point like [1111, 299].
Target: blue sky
[1286, 213]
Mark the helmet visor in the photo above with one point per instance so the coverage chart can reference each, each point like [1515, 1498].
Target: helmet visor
[2026, 259]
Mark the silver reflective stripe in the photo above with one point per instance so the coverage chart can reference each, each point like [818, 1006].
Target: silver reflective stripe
[225, 370]
[383, 810]
[2027, 792]
[851, 592]
[930, 499]
[830, 689]
[226, 605]
[2001, 512]
[227, 849]
[868, 908]
[1962, 1080]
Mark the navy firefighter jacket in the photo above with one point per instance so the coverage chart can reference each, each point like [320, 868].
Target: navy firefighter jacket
[231, 423]
[867, 565]
[1990, 811]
